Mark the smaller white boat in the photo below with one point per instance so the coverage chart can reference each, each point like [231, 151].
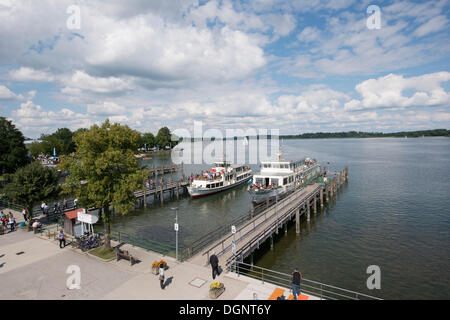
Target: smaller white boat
[221, 177]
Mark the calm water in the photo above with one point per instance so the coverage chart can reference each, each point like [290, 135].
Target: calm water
[394, 212]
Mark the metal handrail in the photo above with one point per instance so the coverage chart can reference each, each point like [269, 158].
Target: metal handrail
[281, 205]
[284, 279]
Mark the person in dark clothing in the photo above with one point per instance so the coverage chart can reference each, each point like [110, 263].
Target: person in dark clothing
[214, 261]
[296, 277]
[62, 239]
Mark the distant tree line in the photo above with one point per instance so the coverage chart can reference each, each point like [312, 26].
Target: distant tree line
[360, 134]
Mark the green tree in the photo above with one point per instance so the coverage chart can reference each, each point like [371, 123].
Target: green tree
[103, 170]
[13, 153]
[61, 140]
[36, 148]
[32, 184]
[164, 138]
[148, 140]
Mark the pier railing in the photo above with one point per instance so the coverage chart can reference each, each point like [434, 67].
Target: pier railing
[314, 288]
[213, 235]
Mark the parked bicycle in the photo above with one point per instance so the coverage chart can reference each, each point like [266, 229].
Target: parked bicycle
[88, 242]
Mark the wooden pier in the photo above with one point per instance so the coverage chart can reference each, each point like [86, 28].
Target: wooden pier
[173, 188]
[155, 171]
[250, 234]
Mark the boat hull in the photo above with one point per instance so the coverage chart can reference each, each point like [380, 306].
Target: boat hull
[197, 192]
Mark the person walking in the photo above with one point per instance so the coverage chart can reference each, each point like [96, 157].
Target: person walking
[296, 277]
[161, 277]
[12, 223]
[25, 216]
[214, 261]
[62, 238]
[64, 204]
[75, 203]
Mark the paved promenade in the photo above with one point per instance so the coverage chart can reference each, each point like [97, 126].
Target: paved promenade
[32, 267]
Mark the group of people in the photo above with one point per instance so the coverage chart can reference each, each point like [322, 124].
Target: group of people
[7, 219]
[205, 175]
[58, 207]
[150, 184]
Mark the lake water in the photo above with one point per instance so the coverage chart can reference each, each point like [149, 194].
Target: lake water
[394, 213]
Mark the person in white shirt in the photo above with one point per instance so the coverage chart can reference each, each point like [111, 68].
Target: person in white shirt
[12, 223]
[161, 277]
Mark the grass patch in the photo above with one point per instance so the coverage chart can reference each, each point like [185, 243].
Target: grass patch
[103, 254]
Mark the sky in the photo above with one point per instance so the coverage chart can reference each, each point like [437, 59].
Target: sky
[296, 66]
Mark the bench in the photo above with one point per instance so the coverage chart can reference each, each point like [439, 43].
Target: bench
[123, 254]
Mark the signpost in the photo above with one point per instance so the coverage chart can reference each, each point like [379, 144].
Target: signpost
[233, 245]
[176, 227]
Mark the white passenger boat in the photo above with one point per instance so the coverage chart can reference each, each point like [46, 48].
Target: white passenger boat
[279, 177]
[221, 177]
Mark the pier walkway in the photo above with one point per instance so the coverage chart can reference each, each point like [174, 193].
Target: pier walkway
[246, 237]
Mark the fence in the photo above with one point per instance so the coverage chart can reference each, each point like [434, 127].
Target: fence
[314, 288]
[4, 203]
[159, 247]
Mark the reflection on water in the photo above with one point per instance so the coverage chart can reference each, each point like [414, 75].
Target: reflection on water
[393, 213]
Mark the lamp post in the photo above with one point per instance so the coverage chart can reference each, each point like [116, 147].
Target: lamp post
[176, 232]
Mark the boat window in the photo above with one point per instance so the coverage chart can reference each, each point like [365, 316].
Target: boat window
[208, 186]
[221, 184]
[259, 181]
[275, 165]
[285, 181]
[274, 181]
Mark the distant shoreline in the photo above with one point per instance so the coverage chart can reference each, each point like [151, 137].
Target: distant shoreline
[343, 135]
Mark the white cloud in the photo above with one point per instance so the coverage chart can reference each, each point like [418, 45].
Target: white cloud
[81, 81]
[309, 34]
[389, 91]
[435, 24]
[106, 108]
[30, 74]
[6, 94]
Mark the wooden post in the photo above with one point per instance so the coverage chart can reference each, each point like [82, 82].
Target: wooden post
[271, 242]
[315, 205]
[178, 187]
[308, 211]
[297, 221]
[145, 198]
[161, 195]
[285, 228]
[321, 197]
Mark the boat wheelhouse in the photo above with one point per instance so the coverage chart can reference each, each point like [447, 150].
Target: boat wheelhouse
[221, 177]
[278, 177]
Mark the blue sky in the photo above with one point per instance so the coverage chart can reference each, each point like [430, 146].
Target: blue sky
[297, 66]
